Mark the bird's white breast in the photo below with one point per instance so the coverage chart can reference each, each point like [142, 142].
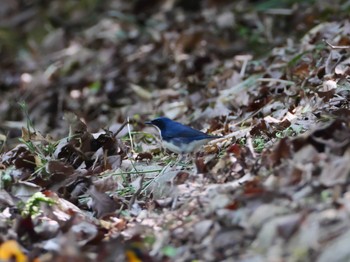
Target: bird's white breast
[185, 148]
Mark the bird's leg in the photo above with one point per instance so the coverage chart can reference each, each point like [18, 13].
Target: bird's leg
[179, 159]
[192, 157]
[187, 158]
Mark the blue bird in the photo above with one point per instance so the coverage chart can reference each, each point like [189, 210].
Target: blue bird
[179, 138]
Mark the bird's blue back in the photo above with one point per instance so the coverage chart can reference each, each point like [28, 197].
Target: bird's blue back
[171, 129]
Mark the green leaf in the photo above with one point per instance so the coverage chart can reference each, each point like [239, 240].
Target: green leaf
[169, 251]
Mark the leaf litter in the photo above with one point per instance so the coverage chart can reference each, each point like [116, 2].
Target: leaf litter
[98, 187]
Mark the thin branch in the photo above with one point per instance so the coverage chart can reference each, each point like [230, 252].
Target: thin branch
[336, 46]
[120, 128]
[137, 193]
[130, 136]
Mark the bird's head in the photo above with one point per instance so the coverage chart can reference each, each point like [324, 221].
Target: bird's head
[160, 122]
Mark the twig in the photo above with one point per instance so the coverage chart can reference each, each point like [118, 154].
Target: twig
[267, 79]
[159, 174]
[130, 136]
[137, 193]
[336, 46]
[121, 128]
[133, 172]
[250, 145]
[3, 138]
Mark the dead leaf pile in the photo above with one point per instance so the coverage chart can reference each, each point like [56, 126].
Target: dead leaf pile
[272, 79]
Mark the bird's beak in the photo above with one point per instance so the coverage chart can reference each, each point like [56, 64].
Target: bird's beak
[148, 123]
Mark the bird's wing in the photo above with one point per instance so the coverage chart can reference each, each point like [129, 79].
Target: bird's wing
[179, 130]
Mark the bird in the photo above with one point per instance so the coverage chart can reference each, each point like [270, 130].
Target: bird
[179, 138]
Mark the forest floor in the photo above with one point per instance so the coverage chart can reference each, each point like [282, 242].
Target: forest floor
[82, 178]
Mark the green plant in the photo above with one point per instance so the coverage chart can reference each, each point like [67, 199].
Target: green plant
[32, 206]
[41, 147]
[169, 251]
[289, 131]
[259, 144]
[242, 141]
[24, 109]
[5, 177]
[126, 191]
